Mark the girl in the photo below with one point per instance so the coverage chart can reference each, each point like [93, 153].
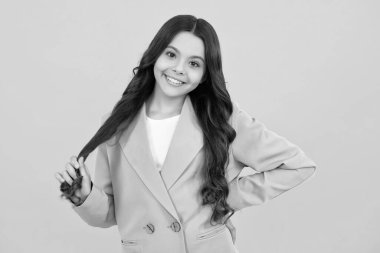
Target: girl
[170, 153]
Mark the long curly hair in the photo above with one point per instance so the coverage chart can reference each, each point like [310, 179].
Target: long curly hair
[211, 101]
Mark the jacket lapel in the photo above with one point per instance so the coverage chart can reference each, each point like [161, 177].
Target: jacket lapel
[135, 145]
[186, 142]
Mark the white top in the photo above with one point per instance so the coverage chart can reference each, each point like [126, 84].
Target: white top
[160, 133]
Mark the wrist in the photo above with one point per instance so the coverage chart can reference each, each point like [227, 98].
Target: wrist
[84, 198]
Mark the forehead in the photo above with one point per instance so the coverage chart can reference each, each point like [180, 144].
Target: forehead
[188, 44]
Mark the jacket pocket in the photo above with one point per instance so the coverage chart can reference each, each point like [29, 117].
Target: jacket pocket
[131, 246]
[211, 233]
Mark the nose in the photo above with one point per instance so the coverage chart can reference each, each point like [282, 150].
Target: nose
[177, 71]
[178, 68]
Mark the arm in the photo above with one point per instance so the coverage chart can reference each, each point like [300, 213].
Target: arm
[279, 164]
[98, 209]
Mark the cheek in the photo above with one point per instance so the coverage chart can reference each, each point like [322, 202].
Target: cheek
[162, 64]
[196, 76]
[158, 65]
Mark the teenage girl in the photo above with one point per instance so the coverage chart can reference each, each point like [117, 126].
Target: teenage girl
[170, 154]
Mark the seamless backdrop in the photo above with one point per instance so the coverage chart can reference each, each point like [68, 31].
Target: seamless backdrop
[307, 69]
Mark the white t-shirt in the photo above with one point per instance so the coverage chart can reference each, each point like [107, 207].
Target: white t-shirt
[160, 133]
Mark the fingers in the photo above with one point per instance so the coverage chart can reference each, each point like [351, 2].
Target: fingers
[74, 162]
[59, 177]
[82, 168]
[71, 171]
[63, 177]
[68, 175]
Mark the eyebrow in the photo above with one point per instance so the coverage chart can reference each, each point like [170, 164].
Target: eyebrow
[194, 56]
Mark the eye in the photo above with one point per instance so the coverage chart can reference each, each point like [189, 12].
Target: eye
[170, 54]
[195, 64]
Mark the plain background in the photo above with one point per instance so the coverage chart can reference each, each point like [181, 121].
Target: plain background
[308, 69]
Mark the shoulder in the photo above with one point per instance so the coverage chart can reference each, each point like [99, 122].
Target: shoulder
[241, 119]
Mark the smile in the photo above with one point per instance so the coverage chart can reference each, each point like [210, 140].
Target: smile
[173, 81]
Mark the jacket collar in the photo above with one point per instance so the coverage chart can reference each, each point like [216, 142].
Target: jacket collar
[186, 142]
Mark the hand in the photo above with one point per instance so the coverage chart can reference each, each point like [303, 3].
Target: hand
[70, 174]
[232, 230]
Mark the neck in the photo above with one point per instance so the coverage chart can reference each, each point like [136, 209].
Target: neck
[159, 107]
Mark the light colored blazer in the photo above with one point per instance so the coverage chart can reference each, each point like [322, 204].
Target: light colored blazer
[162, 212]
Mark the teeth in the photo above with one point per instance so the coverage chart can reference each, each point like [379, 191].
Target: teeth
[173, 80]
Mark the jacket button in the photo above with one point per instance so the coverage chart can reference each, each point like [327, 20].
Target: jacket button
[149, 228]
[175, 226]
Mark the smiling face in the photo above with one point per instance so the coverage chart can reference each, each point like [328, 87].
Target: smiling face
[180, 67]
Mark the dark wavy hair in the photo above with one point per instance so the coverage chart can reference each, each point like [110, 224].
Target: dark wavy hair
[211, 101]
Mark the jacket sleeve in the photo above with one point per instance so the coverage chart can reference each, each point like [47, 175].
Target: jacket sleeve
[98, 209]
[278, 164]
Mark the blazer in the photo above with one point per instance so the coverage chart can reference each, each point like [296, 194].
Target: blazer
[163, 211]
